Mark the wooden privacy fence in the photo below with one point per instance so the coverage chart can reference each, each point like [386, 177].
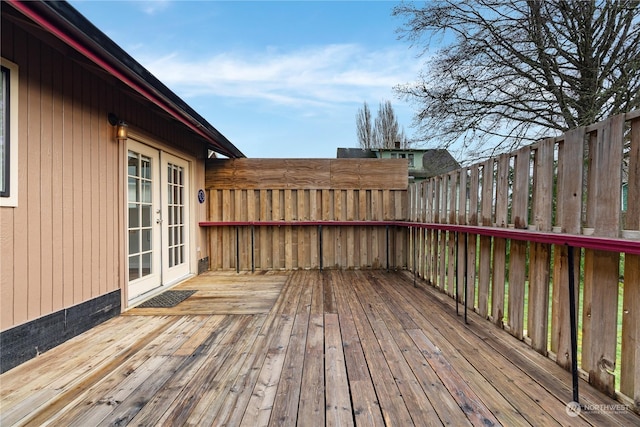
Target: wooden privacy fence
[290, 214]
[565, 191]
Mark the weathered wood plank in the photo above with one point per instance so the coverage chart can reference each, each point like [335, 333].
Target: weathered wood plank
[518, 249]
[395, 343]
[500, 245]
[366, 406]
[259, 407]
[475, 403]
[240, 392]
[211, 401]
[601, 269]
[389, 350]
[630, 358]
[568, 214]
[285, 406]
[69, 387]
[542, 369]
[337, 394]
[486, 219]
[124, 402]
[311, 409]
[540, 254]
[306, 173]
[472, 239]
[459, 215]
[394, 409]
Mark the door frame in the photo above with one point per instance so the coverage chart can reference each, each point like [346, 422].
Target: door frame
[190, 224]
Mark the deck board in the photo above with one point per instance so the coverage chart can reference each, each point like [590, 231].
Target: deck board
[297, 348]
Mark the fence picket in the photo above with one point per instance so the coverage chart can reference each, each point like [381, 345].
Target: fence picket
[601, 269]
[500, 244]
[540, 253]
[484, 268]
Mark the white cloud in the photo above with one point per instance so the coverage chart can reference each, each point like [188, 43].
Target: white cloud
[151, 7]
[317, 76]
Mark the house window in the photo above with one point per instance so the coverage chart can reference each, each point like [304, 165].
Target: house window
[8, 134]
[4, 133]
[394, 155]
[410, 160]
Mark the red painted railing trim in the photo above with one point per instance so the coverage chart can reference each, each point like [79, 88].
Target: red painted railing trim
[589, 242]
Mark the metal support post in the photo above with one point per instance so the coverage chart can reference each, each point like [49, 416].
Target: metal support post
[253, 252]
[237, 250]
[320, 244]
[387, 248]
[415, 267]
[574, 326]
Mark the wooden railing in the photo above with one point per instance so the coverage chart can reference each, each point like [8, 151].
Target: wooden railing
[504, 226]
[571, 185]
[268, 213]
[306, 229]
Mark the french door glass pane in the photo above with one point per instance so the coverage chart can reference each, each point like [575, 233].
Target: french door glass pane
[140, 215]
[134, 215]
[134, 267]
[175, 191]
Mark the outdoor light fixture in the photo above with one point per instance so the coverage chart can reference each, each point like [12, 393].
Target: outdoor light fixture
[121, 130]
[121, 126]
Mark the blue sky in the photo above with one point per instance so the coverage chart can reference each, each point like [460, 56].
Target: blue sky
[278, 78]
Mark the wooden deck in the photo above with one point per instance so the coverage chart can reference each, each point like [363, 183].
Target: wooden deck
[299, 348]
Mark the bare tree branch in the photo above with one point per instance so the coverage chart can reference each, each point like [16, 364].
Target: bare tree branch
[364, 127]
[384, 132]
[518, 70]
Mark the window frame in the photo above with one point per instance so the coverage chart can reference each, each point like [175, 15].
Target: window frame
[10, 197]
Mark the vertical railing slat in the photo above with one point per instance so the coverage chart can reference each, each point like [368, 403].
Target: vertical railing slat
[568, 218]
[472, 243]
[451, 214]
[486, 219]
[630, 358]
[540, 253]
[518, 248]
[460, 218]
[601, 269]
[499, 244]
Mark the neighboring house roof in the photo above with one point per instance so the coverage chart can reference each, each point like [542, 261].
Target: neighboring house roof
[66, 23]
[356, 153]
[438, 161]
[435, 162]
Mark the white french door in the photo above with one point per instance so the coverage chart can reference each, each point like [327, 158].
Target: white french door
[175, 212]
[157, 218]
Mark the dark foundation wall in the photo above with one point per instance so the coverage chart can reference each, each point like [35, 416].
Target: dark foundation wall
[24, 342]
